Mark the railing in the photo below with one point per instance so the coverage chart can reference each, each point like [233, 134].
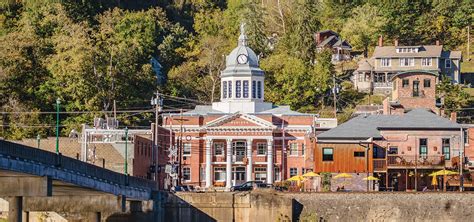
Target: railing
[380, 165]
[49, 158]
[340, 57]
[412, 161]
[382, 84]
[238, 158]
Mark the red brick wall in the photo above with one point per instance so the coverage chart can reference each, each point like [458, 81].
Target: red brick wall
[469, 147]
[427, 97]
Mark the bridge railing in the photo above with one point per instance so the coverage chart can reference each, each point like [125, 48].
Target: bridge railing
[49, 158]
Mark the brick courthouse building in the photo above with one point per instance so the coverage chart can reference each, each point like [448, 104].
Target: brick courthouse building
[242, 137]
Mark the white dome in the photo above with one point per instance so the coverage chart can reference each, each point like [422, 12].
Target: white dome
[252, 59]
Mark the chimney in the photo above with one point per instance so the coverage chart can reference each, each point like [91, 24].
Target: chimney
[381, 40]
[386, 107]
[396, 42]
[453, 117]
[437, 42]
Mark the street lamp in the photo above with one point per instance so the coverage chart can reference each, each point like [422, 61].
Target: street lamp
[126, 151]
[58, 102]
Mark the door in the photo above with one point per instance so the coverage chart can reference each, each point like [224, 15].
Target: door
[238, 150]
[238, 175]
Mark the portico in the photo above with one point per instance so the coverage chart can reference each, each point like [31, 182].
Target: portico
[239, 162]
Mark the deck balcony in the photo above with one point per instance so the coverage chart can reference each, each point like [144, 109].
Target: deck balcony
[422, 162]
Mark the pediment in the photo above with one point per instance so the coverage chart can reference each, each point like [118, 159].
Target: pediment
[239, 120]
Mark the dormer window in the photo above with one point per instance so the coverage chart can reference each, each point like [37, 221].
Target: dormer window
[230, 89]
[407, 50]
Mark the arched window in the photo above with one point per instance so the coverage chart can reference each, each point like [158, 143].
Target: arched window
[246, 88]
[254, 89]
[259, 89]
[238, 88]
[224, 89]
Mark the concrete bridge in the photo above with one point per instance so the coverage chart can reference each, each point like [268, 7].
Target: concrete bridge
[37, 180]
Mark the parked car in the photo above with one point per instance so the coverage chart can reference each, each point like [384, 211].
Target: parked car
[250, 185]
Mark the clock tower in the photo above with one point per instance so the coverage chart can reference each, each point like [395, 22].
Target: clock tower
[242, 81]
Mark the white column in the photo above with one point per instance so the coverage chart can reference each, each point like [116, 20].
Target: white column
[228, 168]
[249, 158]
[208, 162]
[270, 161]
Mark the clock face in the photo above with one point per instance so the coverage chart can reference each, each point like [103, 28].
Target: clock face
[242, 59]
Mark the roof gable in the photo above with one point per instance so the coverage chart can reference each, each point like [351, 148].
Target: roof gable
[240, 120]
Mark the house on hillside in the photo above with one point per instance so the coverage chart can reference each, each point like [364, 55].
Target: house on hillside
[374, 74]
[328, 39]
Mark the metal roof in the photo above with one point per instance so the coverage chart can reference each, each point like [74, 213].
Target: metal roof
[367, 126]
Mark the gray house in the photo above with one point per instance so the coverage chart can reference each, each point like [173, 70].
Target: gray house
[374, 74]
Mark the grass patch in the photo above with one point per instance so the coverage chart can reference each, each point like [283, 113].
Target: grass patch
[372, 99]
[467, 66]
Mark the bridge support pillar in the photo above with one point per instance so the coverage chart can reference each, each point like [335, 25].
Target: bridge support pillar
[15, 210]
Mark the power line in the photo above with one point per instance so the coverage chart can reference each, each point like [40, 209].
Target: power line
[85, 112]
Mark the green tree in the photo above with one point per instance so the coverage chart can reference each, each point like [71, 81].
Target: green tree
[452, 96]
[364, 27]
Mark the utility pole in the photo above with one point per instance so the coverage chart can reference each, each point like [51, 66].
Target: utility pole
[461, 161]
[468, 42]
[58, 102]
[334, 94]
[115, 113]
[38, 138]
[158, 103]
[180, 146]
[125, 170]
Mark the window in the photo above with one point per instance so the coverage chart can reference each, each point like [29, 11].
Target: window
[303, 170]
[186, 149]
[466, 136]
[405, 83]
[238, 88]
[260, 174]
[277, 174]
[218, 149]
[328, 154]
[303, 149]
[361, 77]
[416, 88]
[246, 89]
[427, 83]
[259, 89]
[393, 150]
[261, 149]
[426, 61]
[407, 50]
[423, 147]
[385, 62]
[202, 173]
[359, 154]
[293, 172]
[186, 174]
[447, 63]
[224, 89]
[407, 61]
[446, 149]
[293, 149]
[219, 174]
[230, 89]
[254, 89]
